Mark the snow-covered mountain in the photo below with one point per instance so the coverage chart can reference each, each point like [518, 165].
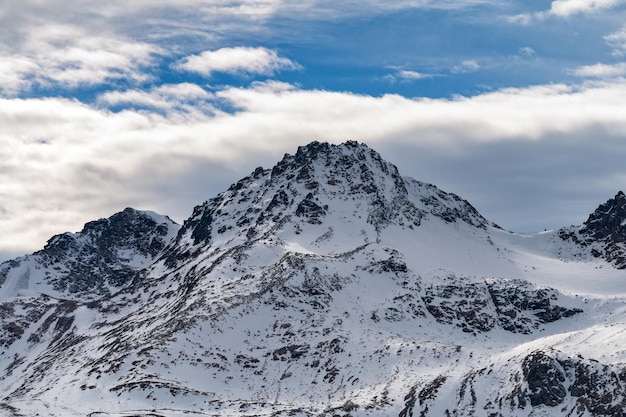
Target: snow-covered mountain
[328, 285]
[93, 263]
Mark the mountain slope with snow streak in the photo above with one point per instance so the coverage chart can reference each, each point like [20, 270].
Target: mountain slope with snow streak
[328, 285]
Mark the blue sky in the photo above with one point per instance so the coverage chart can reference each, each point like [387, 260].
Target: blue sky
[518, 107]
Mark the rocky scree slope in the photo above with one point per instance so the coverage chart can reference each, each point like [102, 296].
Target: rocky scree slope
[307, 289]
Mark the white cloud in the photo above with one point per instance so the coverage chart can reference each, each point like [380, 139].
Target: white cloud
[601, 70]
[69, 56]
[63, 162]
[187, 96]
[617, 41]
[523, 19]
[509, 113]
[237, 60]
[526, 52]
[406, 76]
[413, 75]
[469, 65]
[13, 72]
[566, 8]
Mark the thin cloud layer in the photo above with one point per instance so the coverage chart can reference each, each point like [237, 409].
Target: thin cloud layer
[413, 75]
[602, 70]
[403, 75]
[466, 66]
[617, 40]
[183, 97]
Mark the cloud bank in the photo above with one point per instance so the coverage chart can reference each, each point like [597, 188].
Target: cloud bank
[62, 161]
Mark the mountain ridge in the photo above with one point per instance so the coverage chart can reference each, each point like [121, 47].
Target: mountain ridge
[327, 285]
[111, 249]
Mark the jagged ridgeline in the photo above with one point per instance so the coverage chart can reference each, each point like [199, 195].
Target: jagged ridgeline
[604, 232]
[329, 285]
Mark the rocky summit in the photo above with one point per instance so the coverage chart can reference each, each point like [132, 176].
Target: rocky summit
[603, 234]
[328, 285]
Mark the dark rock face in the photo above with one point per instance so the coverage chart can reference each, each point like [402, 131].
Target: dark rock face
[607, 224]
[545, 378]
[106, 253]
[423, 398]
[607, 221]
[519, 307]
[451, 208]
[17, 316]
[353, 171]
[462, 305]
[101, 253]
[310, 209]
[515, 300]
[128, 228]
[573, 385]
[604, 232]
[599, 389]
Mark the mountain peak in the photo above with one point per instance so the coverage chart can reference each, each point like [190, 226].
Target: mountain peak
[104, 256]
[608, 220]
[345, 153]
[603, 234]
[346, 189]
[321, 185]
